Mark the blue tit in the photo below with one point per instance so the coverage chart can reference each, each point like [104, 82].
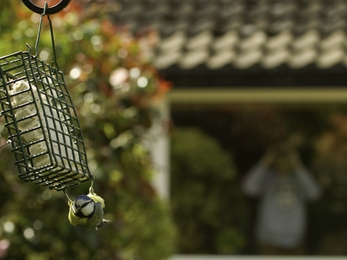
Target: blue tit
[87, 210]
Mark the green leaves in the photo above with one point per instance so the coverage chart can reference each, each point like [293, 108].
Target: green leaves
[204, 191]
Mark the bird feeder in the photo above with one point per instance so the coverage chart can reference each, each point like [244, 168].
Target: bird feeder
[40, 117]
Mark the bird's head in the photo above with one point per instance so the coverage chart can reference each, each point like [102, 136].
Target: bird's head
[83, 206]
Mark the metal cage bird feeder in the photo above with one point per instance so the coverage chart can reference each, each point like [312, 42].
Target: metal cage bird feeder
[41, 120]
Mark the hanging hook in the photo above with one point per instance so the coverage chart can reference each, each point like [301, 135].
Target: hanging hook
[44, 13]
[38, 31]
[52, 10]
[54, 61]
[67, 196]
[91, 188]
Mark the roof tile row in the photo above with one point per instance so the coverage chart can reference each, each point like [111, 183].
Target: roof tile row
[241, 33]
[244, 52]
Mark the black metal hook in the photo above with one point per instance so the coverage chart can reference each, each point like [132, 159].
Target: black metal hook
[51, 10]
[44, 13]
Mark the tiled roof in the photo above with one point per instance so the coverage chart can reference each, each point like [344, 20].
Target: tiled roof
[242, 34]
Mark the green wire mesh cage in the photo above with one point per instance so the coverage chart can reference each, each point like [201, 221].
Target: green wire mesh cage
[42, 124]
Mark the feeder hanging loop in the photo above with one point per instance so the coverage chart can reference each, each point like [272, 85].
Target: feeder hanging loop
[44, 13]
[52, 10]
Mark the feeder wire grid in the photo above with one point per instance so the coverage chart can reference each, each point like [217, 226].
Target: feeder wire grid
[42, 124]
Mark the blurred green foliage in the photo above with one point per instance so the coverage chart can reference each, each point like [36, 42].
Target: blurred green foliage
[113, 87]
[330, 165]
[208, 205]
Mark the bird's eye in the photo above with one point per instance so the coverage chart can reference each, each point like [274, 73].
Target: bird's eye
[88, 209]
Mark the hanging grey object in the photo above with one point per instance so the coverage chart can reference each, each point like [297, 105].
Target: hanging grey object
[41, 120]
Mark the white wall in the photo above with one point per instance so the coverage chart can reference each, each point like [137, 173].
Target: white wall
[158, 142]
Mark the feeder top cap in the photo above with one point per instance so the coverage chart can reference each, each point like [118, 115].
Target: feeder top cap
[50, 10]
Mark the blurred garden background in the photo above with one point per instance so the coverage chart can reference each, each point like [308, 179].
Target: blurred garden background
[116, 91]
